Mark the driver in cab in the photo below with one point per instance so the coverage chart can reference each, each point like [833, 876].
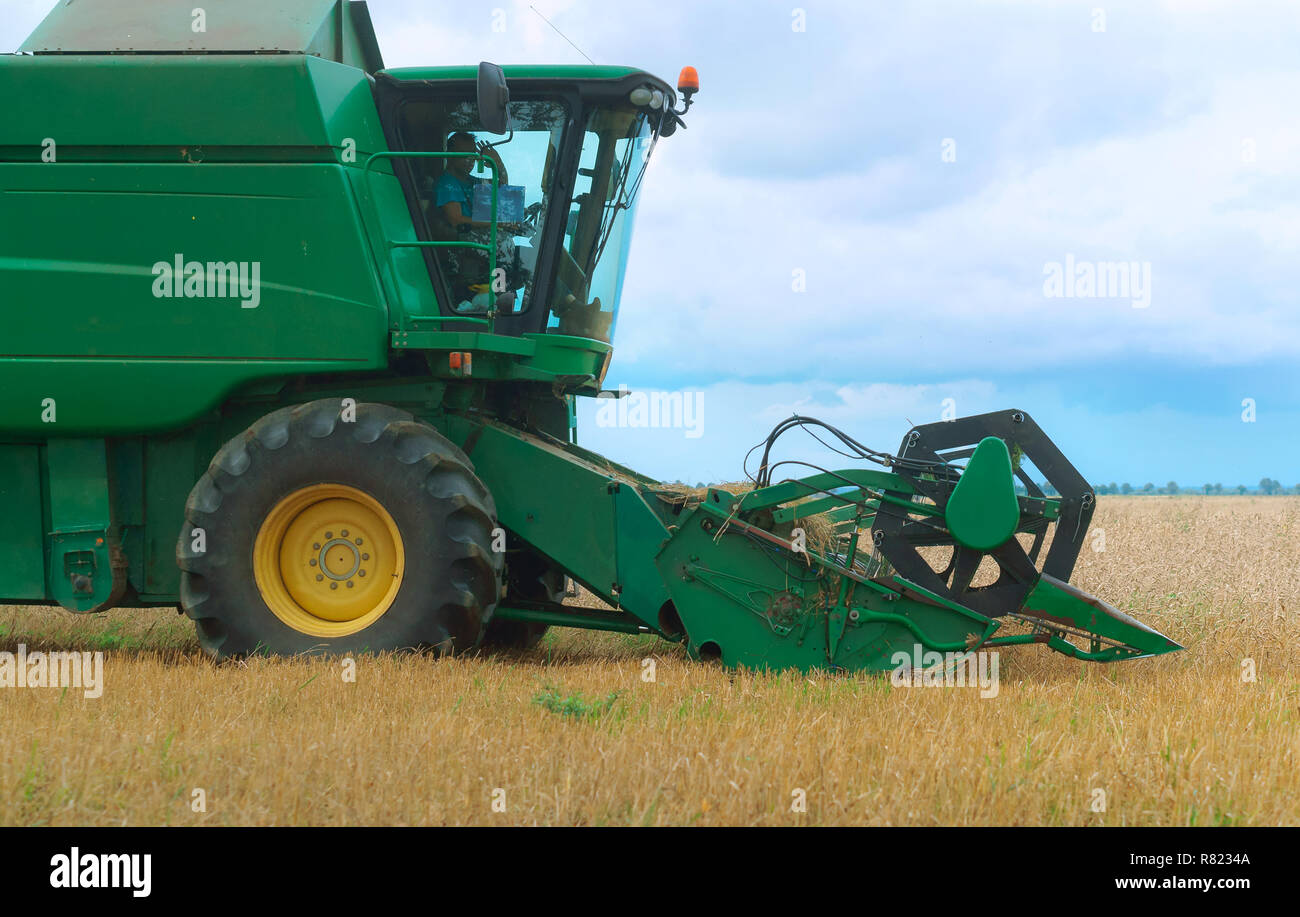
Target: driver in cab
[454, 191]
[453, 199]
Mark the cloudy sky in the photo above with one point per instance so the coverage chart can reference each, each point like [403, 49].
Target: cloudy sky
[863, 221]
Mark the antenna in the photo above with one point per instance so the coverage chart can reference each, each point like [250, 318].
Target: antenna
[561, 34]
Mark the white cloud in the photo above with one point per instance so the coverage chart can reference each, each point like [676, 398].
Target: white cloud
[962, 281]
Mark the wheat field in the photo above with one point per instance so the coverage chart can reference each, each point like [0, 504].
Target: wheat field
[573, 733]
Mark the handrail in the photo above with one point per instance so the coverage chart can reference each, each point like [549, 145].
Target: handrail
[490, 248]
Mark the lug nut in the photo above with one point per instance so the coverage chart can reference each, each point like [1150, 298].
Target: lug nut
[334, 585]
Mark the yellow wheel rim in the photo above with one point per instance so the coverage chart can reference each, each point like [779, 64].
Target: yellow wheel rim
[329, 560]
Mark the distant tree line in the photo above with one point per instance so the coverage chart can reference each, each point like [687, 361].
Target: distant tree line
[1267, 487]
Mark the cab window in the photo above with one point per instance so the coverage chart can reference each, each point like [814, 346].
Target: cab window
[449, 187]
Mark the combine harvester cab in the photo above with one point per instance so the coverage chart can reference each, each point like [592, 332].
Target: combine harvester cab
[274, 355]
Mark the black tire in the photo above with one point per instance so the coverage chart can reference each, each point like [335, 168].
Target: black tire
[529, 577]
[443, 512]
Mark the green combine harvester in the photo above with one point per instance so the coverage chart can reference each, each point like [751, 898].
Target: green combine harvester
[273, 353]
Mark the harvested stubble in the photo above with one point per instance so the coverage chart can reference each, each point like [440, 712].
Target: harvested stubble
[1179, 739]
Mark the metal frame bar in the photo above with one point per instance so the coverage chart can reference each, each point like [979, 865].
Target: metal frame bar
[490, 248]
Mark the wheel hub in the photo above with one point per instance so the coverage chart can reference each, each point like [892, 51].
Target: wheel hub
[339, 560]
[328, 560]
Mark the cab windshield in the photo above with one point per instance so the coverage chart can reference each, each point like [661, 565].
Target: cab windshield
[616, 147]
[562, 238]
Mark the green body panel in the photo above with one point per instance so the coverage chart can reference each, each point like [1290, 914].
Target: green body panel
[170, 464]
[86, 563]
[318, 309]
[185, 109]
[582, 511]
[334, 29]
[319, 306]
[22, 576]
[530, 357]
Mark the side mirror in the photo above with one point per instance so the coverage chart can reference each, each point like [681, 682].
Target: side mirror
[493, 98]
